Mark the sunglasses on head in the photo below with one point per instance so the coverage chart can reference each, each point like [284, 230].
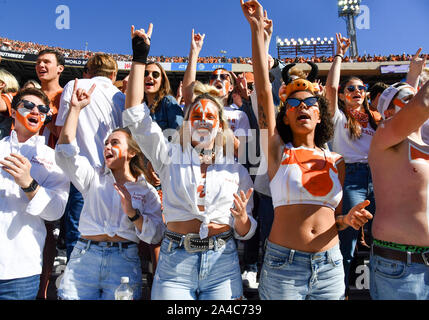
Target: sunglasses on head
[30, 105]
[155, 74]
[221, 76]
[309, 102]
[354, 88]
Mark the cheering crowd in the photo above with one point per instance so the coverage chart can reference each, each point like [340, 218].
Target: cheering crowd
[271, 156]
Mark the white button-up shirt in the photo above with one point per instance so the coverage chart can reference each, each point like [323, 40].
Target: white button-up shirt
[179, 171]
[102, 211]
[22, 227]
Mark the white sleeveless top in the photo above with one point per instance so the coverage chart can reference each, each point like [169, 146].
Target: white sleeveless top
[307, 176]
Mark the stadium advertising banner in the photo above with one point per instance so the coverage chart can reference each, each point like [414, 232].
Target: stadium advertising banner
[202, 66]
[17, 56]
[393, 68]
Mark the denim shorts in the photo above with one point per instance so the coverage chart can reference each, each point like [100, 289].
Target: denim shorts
[209, 275]
[94, 272]
[397, 280]
[295, 275]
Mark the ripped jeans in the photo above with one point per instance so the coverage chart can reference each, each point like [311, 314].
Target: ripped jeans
[295, 275]
[210, 275]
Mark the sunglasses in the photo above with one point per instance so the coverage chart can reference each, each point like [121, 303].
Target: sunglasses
[155, 74]
[30, 105]
[354, 88]
[250, 86]
[309, 102]
[222, 76]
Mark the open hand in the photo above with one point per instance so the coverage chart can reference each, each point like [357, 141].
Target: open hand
[126, 203]
[240, 203]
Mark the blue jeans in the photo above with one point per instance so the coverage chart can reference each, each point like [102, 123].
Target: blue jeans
[357, 188]
[209, 275]
[94, 272]
[397, 280]
[264, 212]
[20, 289]
[71, 218]
[295, 275]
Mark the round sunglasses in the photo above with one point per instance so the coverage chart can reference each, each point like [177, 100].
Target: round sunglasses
[155, 74]
[30, 105]
[308, 102]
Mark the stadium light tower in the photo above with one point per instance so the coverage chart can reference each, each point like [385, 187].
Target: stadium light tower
[349, 9]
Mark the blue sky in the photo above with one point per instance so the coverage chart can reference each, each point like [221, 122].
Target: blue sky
[395, 26]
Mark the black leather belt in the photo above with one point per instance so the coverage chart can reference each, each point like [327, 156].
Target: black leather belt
[108, 243]
[387, 253]
[193, 243]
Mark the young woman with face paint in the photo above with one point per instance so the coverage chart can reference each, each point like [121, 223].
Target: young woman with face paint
[120, 209]
[355, 126]
[207, 196]
[302, 258]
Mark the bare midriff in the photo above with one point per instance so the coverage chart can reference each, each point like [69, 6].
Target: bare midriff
[304, 227]
[193, 226]
[105, 238]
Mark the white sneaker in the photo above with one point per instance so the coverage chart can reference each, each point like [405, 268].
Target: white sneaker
[250, 279]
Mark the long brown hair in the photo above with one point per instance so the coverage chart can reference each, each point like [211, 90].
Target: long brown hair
[137, 163]
[164, 89]
[353, 124]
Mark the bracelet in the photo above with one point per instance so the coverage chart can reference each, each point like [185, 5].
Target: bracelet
[339, 55]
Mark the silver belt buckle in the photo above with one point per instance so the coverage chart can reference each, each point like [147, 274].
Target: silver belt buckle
[187, 243]
[425, 258]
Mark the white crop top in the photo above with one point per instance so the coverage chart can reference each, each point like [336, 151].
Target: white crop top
[307, 176]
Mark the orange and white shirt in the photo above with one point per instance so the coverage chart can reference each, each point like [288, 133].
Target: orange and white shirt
[307, 176]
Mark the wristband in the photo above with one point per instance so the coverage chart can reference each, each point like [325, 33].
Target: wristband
[137, 215]
[32, 187]
[339, 55]
[140, 49]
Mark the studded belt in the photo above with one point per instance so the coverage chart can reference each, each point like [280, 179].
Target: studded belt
[193, 243]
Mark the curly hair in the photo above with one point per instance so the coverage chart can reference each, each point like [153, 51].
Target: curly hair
[323, 132]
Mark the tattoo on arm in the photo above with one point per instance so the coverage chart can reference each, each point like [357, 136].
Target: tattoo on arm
[263, 123]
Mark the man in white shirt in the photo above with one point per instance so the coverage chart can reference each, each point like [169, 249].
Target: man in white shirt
[32, 189]
[96, 122]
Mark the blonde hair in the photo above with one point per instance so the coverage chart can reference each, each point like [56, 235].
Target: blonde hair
[32, 82]
[205, 91]
[102, 65]
[11, 84]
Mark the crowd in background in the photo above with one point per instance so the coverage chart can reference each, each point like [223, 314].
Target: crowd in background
[34, 48]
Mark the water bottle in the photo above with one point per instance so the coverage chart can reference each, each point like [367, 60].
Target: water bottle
[124, 291]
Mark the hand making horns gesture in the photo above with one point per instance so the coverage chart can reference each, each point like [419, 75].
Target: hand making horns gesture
[80, 98]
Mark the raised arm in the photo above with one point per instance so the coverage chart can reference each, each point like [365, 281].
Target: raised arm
[189, 77]
[141, 46]
[333, 80]
[417, 65]
[253, 12]
[402, 124]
